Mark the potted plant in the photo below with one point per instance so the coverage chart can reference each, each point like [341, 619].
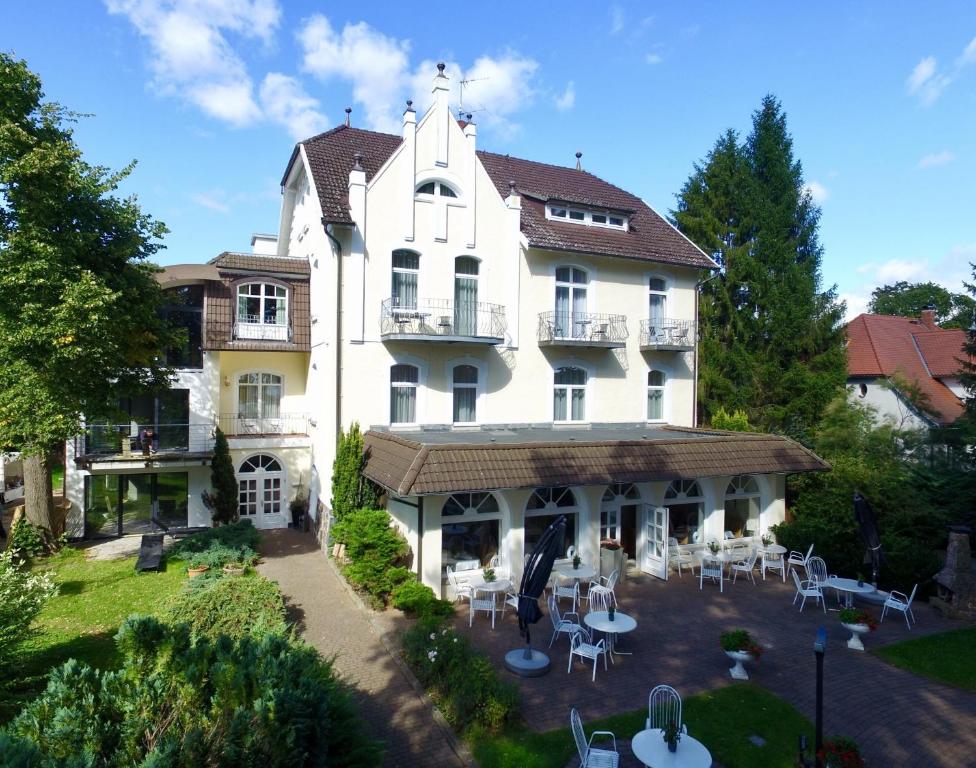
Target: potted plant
[196, 569]
[234, 569]
[576, 562]
[612, 558]
[672, 735]
[490, 575]
[841, 752]
[767, 539]
[713, 547]
[857, 622]
[740, 646]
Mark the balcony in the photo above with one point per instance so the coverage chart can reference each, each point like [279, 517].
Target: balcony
[582, 329]
[115, 443]
[665, 334]
[443, 320]
[235, 425]
[250, 328]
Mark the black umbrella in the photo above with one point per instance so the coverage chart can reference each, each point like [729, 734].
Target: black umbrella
[869, 533]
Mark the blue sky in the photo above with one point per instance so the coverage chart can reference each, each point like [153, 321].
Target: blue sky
[210, 95]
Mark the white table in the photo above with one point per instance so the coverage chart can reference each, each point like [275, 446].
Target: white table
[584, 572]
[600, 621]
[651, 749]
[777, 551]
[493, 588]
[849, 587]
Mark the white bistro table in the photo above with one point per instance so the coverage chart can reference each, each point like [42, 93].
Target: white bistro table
[493, 588]
[777, 551]
[600, 621]
[651, 749]
[583, 573]
[849, 587]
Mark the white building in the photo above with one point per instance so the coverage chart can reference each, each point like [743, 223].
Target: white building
[519, 338]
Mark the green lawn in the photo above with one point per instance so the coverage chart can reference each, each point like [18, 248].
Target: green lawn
[723, 720]
[947, 657]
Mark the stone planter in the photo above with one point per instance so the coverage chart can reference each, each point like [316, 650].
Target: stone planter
[738, 672]
[856, 631]
[611, 559]
[233, 569]
[198, 571]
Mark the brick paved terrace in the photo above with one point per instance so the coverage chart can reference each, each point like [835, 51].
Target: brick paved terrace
[897, 718]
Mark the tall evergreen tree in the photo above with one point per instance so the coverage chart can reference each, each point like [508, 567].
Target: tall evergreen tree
[771, 341]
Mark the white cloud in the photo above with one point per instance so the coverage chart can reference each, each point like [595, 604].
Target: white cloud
[893, 270]
[653, 58]
[214, 200]
[567, 99]
[616, 20]
[927, 82]
[936, 159]
[857, 303]
[968, 56]
[818, 192]
[285, 102]
[922, 73]
[501, 86]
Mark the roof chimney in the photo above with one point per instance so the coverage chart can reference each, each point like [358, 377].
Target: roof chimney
[928, 316]
[579, 166]
[348, 112]
[357, 164]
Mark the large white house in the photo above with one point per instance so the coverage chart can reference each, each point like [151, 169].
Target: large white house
[519, 340]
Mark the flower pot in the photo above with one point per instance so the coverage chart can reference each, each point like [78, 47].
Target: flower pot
[198, 571]
[738, 672]
[672, 746]
[856, 631]
[234, 569]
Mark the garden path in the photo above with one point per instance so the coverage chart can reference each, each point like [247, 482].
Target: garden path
[336, 624]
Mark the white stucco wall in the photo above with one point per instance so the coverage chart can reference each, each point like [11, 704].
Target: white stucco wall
[888, 405]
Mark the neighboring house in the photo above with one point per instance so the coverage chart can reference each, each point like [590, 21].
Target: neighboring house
[518, 339]
[887, 355]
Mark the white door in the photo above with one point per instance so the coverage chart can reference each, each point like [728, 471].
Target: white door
[655, 560]
[260, 483]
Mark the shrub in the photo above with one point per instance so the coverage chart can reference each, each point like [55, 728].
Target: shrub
[26, 541]
[738, 421]
[178, 703]
[22, 595]
[418, 599]
[740, 640]
[841, 752]
[350, 490]
[249, 605]
[215, 547]
[376, 552]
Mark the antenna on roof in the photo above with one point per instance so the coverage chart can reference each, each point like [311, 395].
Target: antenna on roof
[465, 82]
[579, 166]
[348, 112]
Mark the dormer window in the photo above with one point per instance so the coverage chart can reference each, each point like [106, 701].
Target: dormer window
[590, 218]
[436, 189]
[262, 312]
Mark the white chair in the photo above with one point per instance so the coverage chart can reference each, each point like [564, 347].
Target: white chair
[590, 756]
[495, 563]
[808, 588]
[561, 624]
[600, 601]
[462, 591]
[899, 601]
[678, 557]
[479, 603]
[728, 539]
[746, 565]
[773, 562]
[816, 569]
[711, 568]
[603, 590]
[663, 707]
[510, 601]
[798, 558]
[570, 552]
[582, 645]
[563, 587]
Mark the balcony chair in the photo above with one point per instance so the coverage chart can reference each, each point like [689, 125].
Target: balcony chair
[746, 565]
[773, 562]
[560, 623]
[899, 601]
[563, 587]
[711, 568]
[590, 756]
[663, 707]
[798, 558]
[808, 588]
[582, 645]
[603, 590]
[678, 557]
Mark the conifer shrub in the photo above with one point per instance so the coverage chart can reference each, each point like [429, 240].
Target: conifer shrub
[418, 599]
[222, 501]
[376, 552]
[215, 547]
[350, 490]
[234, 607]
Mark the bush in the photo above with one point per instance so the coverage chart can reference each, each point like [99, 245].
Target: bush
[376, 551]
[350, 490]
[237, 607]
[215, 547]
[179, 703]
[22, 595]
[841, 752]
[418, 599]
[223, 500]
[26, 541]
[738, 421]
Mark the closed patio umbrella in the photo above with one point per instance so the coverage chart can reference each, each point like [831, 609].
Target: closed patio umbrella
[529, 662]
[868, 526]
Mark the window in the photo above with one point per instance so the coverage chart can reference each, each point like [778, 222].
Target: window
[598, 218]
[436, 188]
[470, 503]
[686, 516]
[570, 316]
[117, 504]
[742, 506]
[466, 296]
[569, 395]
[542, 509]
[259, 487]
[658, 299]
[406, 270]
[403, 394]
[557, 213]
[465, 379]
[471, 528]
[184, 311]
[615, 497]
[862, 390]
[590, 218]
[655, 395]
[262, 304]
[259, 396]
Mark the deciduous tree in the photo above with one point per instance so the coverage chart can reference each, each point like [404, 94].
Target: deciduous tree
[952, 310]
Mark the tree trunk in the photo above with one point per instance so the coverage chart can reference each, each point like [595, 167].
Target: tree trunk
[38, 498]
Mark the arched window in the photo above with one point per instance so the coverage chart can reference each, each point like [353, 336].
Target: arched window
[403, 393]
[742, 506]
[470, 528]
[437, 189]
[569, 394]
[657, 298]
[466, 296]
[465, 382]
[686, 511]
[262, 312]
[570, 316]
[618, 515]
[543, 507]
[260, 485]
[655, 395]
[406, 272]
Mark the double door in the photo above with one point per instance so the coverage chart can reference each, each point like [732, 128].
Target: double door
[655, 558]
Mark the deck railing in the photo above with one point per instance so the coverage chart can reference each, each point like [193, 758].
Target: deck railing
[236, 425]
[433, 318]
[667, 333]
[582, 327]
[134, 439]
[250, 328]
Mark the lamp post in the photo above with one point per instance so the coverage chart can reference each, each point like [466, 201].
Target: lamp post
[819, 646]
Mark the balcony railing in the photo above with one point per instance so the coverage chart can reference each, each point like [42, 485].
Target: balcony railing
[443, 320]
[251, 328]
[235, 425]
[582, 329]
[665, 333]
[138, 440]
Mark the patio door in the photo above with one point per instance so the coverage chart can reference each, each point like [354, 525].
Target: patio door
[260, 492]
[655, 560]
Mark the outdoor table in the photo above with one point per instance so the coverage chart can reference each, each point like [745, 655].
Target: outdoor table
[493, 587]
[600, 621]
[775, 549]
[849, 587]
[584, 572]
[726, 558]
[651, 749]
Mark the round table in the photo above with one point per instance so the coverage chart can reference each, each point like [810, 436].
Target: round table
[777, 550]
[600, 621]
[651, 749]
[584, 572]
[494, 587]
[849, 587]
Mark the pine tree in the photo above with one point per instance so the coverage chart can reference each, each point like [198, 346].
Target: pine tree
[350, 490]
[222, 501]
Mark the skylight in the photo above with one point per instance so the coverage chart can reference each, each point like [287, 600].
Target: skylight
[589, 218]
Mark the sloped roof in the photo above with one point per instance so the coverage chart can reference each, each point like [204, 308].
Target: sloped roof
[650, 237]
[887, 345]
[180, 273]
[448, 462]
[249, 262]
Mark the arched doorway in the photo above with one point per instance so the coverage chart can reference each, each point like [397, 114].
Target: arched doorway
[618, 516]
[742, 506]
[261, 484]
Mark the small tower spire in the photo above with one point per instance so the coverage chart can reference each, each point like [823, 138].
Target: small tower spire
[579, 165]
[348, 112]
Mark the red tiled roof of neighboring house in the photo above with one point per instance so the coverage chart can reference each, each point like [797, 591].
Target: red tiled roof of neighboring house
[649, 237]
[918, 350]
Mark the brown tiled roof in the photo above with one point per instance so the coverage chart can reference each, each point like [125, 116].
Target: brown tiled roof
[650, 237]
[886, 345]
[249, 262]
[415, 464]
[177, 273]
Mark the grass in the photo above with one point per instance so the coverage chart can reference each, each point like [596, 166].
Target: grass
[723, 720]
[946, 657]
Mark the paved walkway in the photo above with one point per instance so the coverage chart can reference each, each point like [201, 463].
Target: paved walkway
[336, 625]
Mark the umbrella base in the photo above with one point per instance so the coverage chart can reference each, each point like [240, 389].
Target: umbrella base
[535, 666]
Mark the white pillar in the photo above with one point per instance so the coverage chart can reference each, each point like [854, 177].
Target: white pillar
[409, 165]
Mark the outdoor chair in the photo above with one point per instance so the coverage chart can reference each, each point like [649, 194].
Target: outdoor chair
[461, 591]
[798, 558]
[560, 623]
[479, 603]
[511, 600]
[711, 568]
[600, 601]
[808, 588]
[495, 563]
[678, 557]
[562, 587]
[582, 645]
[663, 707]
[603, 589]
[590, 756]
[746, 565]
[899, 601]
[773, 562]
[570, 552]
[816, 570]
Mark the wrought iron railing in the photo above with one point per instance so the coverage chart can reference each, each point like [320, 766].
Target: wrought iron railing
[582, 327]
[251, 327]
[236, 425]
[667, 332]
[442, 317]
[143, 439]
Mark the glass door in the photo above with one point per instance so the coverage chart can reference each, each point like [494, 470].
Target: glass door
[655, 541]
[465, 296]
